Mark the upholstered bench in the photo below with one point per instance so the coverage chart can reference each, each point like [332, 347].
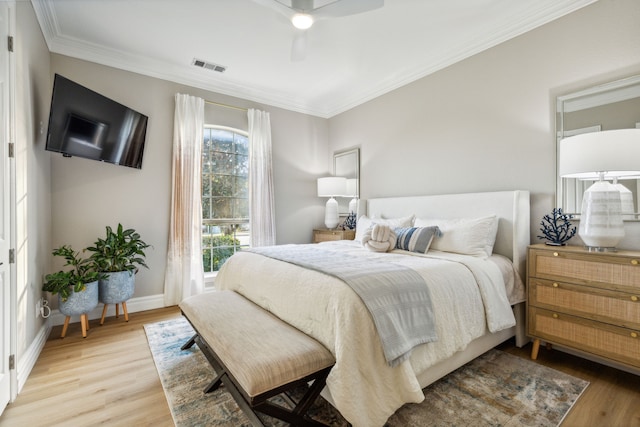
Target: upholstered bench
[256, 355]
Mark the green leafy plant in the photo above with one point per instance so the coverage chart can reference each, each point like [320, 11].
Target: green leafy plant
[64, 282]
[120, 250]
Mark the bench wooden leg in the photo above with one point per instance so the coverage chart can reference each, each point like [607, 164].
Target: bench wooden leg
[297, 416]
[189, 343]
[215, 384]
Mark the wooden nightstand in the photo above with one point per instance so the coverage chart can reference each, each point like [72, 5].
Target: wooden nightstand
[587, 301]
[326, 235]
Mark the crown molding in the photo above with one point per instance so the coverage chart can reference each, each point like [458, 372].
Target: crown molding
[58, 43]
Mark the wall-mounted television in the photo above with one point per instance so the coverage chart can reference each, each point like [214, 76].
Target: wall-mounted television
[85, 124]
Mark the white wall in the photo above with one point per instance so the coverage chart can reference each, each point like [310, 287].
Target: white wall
[88, 195]
[487, 123]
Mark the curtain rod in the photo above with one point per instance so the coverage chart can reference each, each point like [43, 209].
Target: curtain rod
[225, 105]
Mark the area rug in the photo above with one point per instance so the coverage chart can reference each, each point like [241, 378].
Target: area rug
[496, 389]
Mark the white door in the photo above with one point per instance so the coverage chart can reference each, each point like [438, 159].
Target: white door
[5, 279]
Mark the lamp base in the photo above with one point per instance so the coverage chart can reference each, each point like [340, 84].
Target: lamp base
[601, 223]
[331, 218]
[601, 249]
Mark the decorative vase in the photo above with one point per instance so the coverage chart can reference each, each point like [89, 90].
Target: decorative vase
[117, 287]
[81, 302]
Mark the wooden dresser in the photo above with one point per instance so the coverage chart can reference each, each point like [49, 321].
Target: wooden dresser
[587, 301]
[326, 235]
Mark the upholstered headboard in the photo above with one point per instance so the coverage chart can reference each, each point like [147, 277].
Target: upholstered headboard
[511, 207]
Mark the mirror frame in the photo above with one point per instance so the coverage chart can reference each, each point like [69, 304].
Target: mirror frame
[344, 155]
[607, 93]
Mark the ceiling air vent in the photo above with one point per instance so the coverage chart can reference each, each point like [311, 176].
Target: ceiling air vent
[208, 65]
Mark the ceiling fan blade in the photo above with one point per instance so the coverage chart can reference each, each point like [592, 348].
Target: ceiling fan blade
[346, 7]
[299, 46]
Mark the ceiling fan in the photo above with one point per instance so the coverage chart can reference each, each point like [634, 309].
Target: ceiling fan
[303, 13]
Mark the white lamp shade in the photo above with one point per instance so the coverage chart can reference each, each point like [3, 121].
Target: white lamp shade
[352, 187]
[332, 186]
[614, 152]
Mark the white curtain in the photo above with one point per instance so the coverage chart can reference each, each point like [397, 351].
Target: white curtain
[184, 275]
[261, 195]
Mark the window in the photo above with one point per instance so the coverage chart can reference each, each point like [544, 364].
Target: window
[225, 195]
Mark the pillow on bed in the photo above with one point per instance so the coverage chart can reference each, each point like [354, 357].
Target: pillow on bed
[364, 222]
[416, 239]
[468, 236]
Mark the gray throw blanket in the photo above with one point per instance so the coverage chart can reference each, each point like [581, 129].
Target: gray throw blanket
[396, 296]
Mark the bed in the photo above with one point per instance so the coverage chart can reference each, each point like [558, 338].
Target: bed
[363, 385]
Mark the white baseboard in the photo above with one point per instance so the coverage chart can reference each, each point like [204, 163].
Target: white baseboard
[133, 305]
[27, 361]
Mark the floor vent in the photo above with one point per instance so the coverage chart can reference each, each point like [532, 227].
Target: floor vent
[208, 65]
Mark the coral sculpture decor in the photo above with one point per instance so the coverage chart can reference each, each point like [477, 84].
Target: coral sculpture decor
[556, 228]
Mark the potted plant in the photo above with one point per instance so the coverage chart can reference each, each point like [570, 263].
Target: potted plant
[77, 287]
[118, 255]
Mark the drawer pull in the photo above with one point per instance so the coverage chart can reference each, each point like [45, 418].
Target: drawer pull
[634, 298]
[555, 315]
[634, 262]
[555, 285]
[556, 254]
[634, 335]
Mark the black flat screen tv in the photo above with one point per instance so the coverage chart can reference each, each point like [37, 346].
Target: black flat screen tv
[85, 124]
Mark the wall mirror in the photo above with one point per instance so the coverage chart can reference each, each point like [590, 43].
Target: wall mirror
[614, 105]
[347, 164]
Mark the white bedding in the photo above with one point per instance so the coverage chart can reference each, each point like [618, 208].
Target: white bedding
[361, 385]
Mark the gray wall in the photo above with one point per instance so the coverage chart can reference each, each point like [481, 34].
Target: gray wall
[487, 123]
[88, 195]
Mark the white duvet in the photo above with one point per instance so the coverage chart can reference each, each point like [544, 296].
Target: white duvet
[362, 386]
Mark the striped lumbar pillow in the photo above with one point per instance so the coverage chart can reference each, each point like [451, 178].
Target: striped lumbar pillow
[416, 239]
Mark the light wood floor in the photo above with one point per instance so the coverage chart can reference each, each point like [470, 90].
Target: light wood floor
[109, 378]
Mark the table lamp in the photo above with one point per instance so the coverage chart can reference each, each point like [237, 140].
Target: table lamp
[352, 191]
[601, 155]
[329, 187]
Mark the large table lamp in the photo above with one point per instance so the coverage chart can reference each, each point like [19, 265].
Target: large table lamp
[603, 156]
[329, 187]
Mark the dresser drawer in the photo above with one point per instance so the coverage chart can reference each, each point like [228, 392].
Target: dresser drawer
[320, 235]
[607, 271]
[614, 307]
[612, 342]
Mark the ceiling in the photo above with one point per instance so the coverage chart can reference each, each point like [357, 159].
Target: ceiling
[349, 60]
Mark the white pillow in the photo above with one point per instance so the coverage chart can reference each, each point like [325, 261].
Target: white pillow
[364, 222]
[468, 236]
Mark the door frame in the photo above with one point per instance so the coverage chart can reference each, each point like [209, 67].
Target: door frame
[9, 164]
